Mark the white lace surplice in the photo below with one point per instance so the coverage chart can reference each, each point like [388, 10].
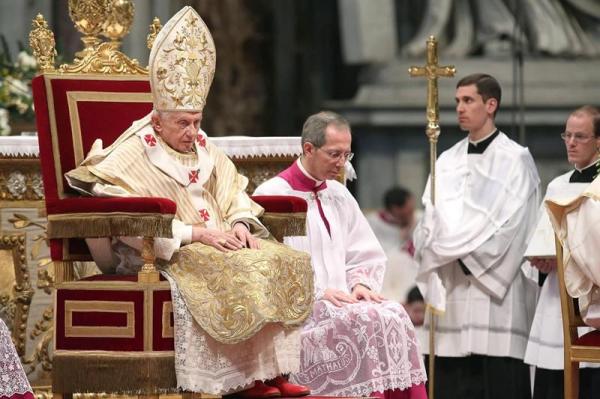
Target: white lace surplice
[358, 349]
[205, 365]
[12, 377]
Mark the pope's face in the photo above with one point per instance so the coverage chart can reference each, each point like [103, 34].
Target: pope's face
[473, 113]
[326, 162]
[178, 129]
[582, 146]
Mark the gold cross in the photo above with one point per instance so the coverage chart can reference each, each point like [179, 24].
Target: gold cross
[432, 71]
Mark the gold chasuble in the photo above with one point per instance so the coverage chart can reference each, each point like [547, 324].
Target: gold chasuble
[231, 295]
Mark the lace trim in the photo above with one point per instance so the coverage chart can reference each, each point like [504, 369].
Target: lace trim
[12, 376]
[379, 385]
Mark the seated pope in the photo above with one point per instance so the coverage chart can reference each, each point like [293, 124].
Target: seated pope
[238, 300]
[355, 342]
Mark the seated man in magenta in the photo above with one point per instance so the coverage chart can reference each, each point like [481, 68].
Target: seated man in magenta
[355, 343]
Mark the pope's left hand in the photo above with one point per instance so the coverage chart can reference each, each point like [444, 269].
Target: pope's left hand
[360, 292]
[241, 232]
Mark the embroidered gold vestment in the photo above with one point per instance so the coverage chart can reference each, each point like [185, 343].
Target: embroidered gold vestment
[230, 295]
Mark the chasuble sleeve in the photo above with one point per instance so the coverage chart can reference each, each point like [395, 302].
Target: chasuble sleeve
[230, 193]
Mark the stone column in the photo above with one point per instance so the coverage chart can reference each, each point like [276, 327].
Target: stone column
[368, 30]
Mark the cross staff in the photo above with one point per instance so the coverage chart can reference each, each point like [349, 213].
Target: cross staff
[432, 71]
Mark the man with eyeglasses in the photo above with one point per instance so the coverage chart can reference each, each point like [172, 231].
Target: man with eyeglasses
[545, 347]
[472, 242]
[355, 343]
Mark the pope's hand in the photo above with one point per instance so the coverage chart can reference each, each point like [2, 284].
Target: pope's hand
[220, 240]
[337, 297]
[544, 265]
[243, 234]
[360, 292]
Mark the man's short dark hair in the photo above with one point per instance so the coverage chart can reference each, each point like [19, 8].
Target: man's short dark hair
[593, 112]
[396, 196]
[487, 86]
[414, 295]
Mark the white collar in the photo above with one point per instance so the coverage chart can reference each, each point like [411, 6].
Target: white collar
[305, 173]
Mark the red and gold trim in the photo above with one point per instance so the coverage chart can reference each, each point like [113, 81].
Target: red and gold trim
[114, 313]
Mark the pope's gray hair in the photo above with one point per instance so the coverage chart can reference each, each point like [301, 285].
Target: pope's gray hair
[313, 130]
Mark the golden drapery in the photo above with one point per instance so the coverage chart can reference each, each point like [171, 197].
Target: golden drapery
[233, 295]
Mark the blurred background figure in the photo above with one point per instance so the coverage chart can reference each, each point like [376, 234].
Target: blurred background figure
[393, 226]
[415, 306]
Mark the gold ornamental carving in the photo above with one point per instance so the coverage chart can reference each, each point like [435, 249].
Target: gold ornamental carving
[155, 27]
[92, 18]
[42, 43]
[89, 17]
[111, 18]
[119, 20]
[105, 59]
[22, 289]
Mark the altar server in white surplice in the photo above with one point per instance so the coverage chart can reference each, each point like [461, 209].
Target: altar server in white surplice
[545, 348]
[472, 242]
[355, 343]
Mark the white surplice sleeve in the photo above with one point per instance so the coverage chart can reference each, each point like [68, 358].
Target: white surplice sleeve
[365, 259]
[495, 263]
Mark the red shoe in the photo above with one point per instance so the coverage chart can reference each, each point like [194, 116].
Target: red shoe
[260, 390]
[288, 389]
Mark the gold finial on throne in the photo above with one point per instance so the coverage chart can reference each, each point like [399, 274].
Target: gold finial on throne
[41, 41]
[118, 22]
[155, 27]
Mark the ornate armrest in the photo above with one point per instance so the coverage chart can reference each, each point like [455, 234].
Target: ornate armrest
[105, 217]
[284, 215]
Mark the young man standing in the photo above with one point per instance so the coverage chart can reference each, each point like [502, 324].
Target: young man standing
[545, 347]
[474, 238]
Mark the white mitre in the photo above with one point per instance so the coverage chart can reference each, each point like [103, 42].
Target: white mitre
[182, 63]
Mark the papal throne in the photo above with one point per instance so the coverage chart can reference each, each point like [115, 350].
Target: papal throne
[111, 333]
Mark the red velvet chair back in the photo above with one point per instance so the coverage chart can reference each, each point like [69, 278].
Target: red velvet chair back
[72, 111]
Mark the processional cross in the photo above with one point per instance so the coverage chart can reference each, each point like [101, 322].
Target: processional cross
[432, 71]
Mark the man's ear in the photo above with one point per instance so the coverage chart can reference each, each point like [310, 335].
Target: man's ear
[492, 105]
[156, 122]
[308, 148]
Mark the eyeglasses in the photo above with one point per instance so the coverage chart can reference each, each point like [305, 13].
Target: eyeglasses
[337, 155]
[580, 138]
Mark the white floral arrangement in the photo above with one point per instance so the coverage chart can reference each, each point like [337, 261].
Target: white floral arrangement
[15, 89]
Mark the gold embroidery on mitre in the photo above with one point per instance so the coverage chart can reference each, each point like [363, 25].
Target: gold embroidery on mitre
[182, 63]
